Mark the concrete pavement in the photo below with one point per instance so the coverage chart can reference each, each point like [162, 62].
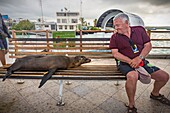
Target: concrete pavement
[80, 96]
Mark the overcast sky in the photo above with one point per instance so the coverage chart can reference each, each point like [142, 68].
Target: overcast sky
[153, 12]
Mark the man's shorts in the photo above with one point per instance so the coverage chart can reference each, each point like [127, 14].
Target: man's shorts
[125, 68]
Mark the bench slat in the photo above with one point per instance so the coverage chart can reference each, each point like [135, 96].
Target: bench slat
[84, 72]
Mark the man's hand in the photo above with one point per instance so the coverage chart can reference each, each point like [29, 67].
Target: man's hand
[135, 62]
[115, 31]
[9, 39]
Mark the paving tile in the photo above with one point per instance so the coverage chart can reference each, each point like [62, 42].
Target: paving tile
[107, 89]
[37, 98]
[165, 109]
[161, 63]
[10, 97]
[82, 106]
[66, 109]
[167, 69]
[118, 84]
[31, 90]
[49, 84]
[26, 83]
[98, 110]
[6, 86]
[70, 97]
[146, 105]
[81, 90]
[72, 85]
[112, 105]
[36, 82]
[20, 106]
[121, 96]
[48, 106]
[6, 82]
[94, 84]
[141, 89]
[96, 97]
[54, 91]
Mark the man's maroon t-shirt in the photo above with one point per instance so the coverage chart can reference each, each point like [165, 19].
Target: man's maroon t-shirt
[121, 42]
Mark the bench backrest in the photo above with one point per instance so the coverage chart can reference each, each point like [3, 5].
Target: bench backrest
[91, 47]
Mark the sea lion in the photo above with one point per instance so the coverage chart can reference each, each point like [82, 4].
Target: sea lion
[49, 63]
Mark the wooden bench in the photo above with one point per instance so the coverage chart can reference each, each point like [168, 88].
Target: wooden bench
[94, 48]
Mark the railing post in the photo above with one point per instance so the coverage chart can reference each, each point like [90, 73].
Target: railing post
[15, 44]
[80, 40]
[149, 32]
[47, 36]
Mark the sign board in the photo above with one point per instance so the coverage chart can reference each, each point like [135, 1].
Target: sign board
[64, 34]
[5, 17]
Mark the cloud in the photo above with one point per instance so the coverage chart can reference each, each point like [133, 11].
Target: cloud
[91, 9]
[158, 2]
[128, 2]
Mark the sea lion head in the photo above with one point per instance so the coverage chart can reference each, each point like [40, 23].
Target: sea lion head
[78, 60]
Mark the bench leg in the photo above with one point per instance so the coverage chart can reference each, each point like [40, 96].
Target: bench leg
[60, 103]
[117, 83]
[68, 83]
[20, 81]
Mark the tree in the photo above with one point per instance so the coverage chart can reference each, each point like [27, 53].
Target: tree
[24, 25]
[83, 22]
[95, 22]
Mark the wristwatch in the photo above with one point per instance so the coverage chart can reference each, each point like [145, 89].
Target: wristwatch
[141, 57]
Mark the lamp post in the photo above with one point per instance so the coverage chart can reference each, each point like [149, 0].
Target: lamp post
[42, 12]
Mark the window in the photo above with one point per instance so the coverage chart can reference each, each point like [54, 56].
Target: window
[73, 14]
[65, 27]
[52, 27]
[60, 27]
[61, 14]
[71, 27]
[64, 21]
[46, 25]
[73, 20]
[58, 20]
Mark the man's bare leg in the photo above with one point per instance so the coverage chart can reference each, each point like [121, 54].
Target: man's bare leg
[161, 78]
[2, 57]
[131, 83]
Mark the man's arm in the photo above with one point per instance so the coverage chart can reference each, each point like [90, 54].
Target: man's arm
[147, 48]
[5, 29]
[120, 56]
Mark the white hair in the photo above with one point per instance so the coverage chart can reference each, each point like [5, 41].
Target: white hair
[124, 17]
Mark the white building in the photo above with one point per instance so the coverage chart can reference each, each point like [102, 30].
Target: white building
[45, 26]
[67, 21]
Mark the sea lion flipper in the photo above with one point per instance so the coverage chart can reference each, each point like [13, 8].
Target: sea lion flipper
[7, 75]
[12, 68]
[47, 76]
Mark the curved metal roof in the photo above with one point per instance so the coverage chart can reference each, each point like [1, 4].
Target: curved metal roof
[101, 21]
[106, 19]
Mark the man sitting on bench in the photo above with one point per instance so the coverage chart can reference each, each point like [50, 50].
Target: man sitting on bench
[130, 45]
